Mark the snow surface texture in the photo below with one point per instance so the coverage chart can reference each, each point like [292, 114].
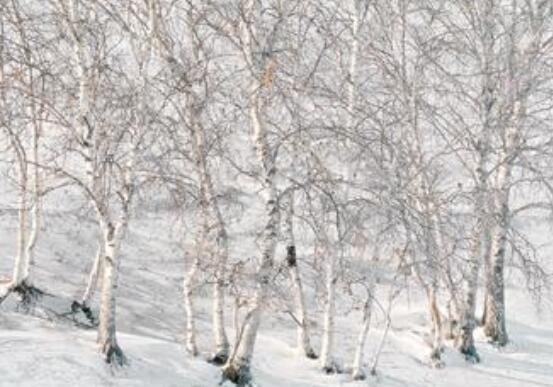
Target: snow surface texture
[41, 349]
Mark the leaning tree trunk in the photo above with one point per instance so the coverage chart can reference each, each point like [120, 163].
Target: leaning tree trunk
[107, 339]
[303, 335]
[91, 285]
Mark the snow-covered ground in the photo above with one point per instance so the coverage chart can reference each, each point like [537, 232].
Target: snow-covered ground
[40, 349]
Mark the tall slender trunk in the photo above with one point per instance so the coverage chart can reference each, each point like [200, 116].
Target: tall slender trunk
[358, 372]
[91, 284]
[188, 288]
[222, 346]
[494, 316]
[480, 250]
[327, 361]
[237, 368]
[303, 331]
[482, 202]
[215, 238]
[107, 339]
[437, 328]
[20, 272]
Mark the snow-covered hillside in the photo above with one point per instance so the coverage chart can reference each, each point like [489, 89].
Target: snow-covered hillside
[40, 348]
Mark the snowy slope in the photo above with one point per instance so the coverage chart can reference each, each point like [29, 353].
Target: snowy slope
[40, 349]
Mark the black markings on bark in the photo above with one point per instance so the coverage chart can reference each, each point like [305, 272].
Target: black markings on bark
[291, 259]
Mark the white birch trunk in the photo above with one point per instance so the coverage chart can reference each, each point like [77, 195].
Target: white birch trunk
[107, 339]
[20, 272]
[188, 288]
[303, 334]
[482, 195]
[358, 372]
[327, 361]
[237, 368]
[495, 321]
[35, 189]
[214, 237]
[91, 285]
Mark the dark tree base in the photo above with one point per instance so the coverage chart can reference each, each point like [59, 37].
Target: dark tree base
[28, 294]
[498, 341]
[310, 354]
[114, 355]
[359, 376]
[436, 358]
[240, 376]
[333, 368]
[470, 354]
[495, 338]
[76, 306]
[219, 358]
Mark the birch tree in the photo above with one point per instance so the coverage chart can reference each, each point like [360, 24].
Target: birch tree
[258, 57]
[29, 81]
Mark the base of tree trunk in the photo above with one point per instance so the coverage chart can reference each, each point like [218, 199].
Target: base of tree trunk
[436, 358]
[77, 306]
[114, 355]
[28, 294]
[452, 329]
[241, 376]
[358, 375]
[332, 368]
[495, 336]
[220, 358]
[310, 354]
[470, 354]
[192, 349]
